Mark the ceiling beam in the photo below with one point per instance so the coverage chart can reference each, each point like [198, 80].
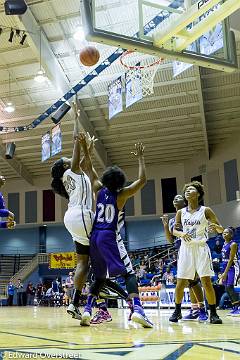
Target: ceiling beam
[56, 73]
[202, 111]
[16, 165]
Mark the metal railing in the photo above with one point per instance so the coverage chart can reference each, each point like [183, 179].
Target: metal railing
[26, 270]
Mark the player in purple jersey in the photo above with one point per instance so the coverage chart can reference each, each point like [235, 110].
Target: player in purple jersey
[231, 269]
[71, 182]
[5, 213]
[107, 251]
[197, 311]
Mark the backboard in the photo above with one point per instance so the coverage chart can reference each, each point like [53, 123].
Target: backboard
[191, 31]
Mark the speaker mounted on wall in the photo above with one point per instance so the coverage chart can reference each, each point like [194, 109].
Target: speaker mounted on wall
[60, 113]
[10, 150]
[15, 7]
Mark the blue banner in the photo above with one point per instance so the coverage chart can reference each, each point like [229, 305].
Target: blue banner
[56, 140]
[115, 105]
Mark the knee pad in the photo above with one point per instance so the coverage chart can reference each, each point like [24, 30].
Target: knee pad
[131, 284]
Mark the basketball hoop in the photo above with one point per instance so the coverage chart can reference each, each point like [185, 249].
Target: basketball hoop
[146, 71]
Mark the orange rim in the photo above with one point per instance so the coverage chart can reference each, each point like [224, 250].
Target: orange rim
[137, 67]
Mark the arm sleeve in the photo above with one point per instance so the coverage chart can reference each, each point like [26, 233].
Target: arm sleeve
[3, 224]
[4, 213]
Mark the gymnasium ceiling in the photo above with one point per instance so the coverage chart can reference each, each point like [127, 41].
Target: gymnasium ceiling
[186, 115]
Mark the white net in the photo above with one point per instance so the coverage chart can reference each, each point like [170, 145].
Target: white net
[141, 71]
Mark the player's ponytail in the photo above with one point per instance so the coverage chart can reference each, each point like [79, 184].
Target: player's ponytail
[57, 172]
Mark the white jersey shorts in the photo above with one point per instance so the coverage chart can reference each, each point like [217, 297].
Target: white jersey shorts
[78, 221]
[194, 259]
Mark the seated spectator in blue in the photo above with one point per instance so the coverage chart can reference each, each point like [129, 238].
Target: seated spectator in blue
[222, 302]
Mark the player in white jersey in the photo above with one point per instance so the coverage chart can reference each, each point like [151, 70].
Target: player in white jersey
[197, 311]
[192, 225]
[71, 182]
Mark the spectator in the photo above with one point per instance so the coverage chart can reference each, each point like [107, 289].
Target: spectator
[55, 285]
[217, 250]
[20, 293]
[69, 283]
[168, 277]
[30, 291]
[10, 293]
[224, 297]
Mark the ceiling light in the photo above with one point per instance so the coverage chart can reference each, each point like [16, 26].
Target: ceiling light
[11, 36]
[9, 108]
[79, 34]
[23, 39]
[40, 77]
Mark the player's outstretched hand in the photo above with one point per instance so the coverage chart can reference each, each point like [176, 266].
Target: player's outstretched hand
[139, 150]
[91, 142]
[212, 228]
[11, 224]
[82, 139]
[186, 237]
[165, 219]
[10, 216]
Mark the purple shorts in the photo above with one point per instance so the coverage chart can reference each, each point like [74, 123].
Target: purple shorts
[232, 276]
[108, 254]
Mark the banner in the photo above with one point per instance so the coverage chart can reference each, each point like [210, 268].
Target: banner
[65, 260]
[56, 140]
[179, 66]
[166, 296]
[115, 98]
[46, 146]
[133, 86]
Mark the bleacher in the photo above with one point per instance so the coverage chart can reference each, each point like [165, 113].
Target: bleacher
[10, 265]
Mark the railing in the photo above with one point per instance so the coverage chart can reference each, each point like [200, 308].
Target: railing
[26, 270]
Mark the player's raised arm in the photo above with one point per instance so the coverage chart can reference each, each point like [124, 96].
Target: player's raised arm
[75, 167]
[130, 190]
[96, 184]
[168, 234]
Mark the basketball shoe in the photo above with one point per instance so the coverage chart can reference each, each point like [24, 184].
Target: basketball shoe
[215, 319]
[192, 315]
[176, 315]
[100, 317]
[236, 311]
[139, 317]
[203, 315]
[74, 311]
[86, 316]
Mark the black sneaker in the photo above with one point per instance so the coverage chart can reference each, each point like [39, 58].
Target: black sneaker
[177, 315]
[74, 311]
[215, 319]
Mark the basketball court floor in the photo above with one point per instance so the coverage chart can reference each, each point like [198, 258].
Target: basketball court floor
[39, 332]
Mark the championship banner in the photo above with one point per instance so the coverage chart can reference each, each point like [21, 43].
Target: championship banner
[46, 146]
[56, 140]
[115, 97]
[62, 260]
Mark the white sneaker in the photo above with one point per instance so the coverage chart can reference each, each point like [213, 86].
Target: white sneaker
[74, 311]
[86, 318]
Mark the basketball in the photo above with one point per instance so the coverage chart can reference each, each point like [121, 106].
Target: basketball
[89, 56]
